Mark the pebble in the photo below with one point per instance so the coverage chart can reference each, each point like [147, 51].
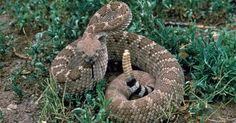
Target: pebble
[12, 107]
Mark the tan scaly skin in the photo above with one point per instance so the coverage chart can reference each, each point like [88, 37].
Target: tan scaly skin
[84, 61]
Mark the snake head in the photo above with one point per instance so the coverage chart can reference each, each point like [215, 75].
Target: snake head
[90, 47]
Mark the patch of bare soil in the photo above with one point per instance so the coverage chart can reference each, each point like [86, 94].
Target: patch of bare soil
[12, 108]
[223, 113]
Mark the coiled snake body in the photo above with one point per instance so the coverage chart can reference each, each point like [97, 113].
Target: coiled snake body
[85, 60]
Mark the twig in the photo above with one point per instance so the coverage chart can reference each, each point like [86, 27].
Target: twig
[40, 97]
[208, 118]
[225, 120]
[186, 24]
[21, 55]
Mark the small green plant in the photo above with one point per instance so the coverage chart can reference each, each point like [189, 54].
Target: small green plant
[212, 70]
[94, 108]
[1, 116]
[16, 87]
[4, 45]
[53, 108]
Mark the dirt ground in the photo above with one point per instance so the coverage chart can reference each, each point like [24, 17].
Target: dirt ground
[16, 111]
[12, 108]
[27, 109]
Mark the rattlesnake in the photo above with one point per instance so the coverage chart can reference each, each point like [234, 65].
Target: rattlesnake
[85, 60]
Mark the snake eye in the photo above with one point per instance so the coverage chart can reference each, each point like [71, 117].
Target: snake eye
[102, 38]
[82, 52]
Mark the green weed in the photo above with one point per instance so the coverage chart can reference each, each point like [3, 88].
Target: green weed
[53, 107]
[93, 109]
[16, 87]
[5, 45]
[1, 116]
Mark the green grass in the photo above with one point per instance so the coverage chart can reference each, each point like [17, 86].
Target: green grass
[1, 116]
[92, 106]
[209, 65]
[5, 45]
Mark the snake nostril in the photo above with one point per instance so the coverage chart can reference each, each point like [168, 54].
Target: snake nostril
[96, 54]
[83, 56]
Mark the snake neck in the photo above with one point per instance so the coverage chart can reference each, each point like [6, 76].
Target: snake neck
[100, 66]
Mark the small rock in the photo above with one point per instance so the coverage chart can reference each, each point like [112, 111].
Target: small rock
[12, 107]
[215, 36]
[27, 118]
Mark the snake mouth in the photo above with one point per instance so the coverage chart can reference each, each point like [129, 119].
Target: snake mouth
[89, 62]
[89, 65]
[92, 72]
[90, 59]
